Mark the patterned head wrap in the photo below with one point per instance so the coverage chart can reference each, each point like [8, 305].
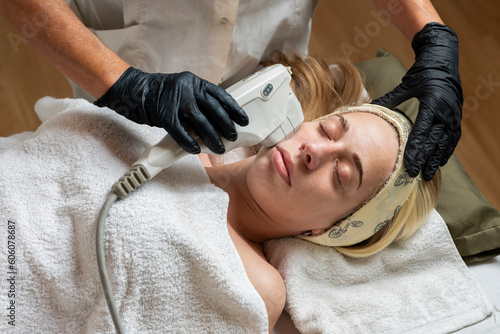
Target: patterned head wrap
[376, 212]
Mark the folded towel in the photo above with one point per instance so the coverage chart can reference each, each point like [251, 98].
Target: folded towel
[417, 286]
[172, 264]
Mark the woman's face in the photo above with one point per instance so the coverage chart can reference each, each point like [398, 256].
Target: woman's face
[323, 172]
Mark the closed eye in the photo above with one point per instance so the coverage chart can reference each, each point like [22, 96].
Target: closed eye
[323, 131]
[343, 122]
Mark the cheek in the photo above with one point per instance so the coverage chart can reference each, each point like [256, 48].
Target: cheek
[324, 201]
[316, 198]
[319, 184]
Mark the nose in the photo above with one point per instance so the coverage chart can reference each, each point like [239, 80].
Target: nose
[315, 153]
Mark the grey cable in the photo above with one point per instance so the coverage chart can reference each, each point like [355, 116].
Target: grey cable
[101, 262]
[129, 182]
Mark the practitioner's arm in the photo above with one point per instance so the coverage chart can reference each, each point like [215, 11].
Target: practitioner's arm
[409, 16]
[170, 101]
[433, 79]
[66, 43]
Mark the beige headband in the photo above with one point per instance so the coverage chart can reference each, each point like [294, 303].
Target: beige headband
[377, 212]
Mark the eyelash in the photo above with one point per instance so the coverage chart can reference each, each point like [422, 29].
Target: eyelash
[337, 173]
[323, 131]
[342, 123]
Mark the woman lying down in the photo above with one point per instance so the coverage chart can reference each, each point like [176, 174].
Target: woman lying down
[182, 254]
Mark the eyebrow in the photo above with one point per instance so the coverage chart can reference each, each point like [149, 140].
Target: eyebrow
[359, 167]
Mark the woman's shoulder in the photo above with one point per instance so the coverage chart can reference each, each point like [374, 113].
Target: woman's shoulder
[263, 276]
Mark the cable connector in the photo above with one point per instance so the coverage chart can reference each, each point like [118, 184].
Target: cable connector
[131, 180]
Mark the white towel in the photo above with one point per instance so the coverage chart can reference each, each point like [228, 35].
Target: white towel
[172, 264]
[417, 286]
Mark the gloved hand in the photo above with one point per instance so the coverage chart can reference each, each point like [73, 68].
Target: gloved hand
[435, 81]
[175, 101]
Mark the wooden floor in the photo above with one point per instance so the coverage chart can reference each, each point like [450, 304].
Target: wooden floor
[25, 76]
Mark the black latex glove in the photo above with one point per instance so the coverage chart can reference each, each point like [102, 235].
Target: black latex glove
[172, 101]
[435, 81]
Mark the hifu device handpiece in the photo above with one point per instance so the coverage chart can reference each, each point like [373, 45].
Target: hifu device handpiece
[274, 115]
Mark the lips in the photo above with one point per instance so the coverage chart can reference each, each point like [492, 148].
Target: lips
[283, 164]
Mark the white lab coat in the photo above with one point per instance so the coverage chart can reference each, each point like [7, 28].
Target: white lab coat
[221, 41]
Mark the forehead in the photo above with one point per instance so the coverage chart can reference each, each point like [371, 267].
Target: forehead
[375, 141]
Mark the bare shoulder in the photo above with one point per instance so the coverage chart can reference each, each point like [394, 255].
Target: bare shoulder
[264, 277]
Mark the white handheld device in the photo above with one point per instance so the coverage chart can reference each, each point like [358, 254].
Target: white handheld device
[274, 114]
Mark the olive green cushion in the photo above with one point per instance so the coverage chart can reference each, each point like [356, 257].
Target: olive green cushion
[472, 221]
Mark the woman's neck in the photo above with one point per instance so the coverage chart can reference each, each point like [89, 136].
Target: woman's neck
[244, 214]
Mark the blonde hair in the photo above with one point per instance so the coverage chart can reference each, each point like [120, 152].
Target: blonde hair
[320, 92]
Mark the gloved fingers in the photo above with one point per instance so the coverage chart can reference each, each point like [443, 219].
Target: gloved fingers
[218, 117]
[418, 138]
[411, 154]
[448, 151]
[449, 114]
[199, 123]
[450, 138]
[418, 159]
[175, 129]
[168, 118]
[232, 108]
[394, 98]
[438, 158]
[185, 141]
